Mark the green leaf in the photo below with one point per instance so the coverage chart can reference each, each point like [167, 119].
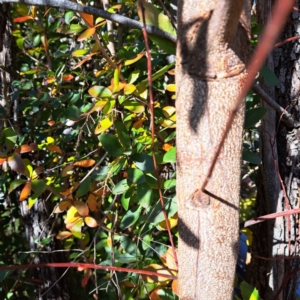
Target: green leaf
[99, 91]
[4, 273]
[122, 134]
[130, 217]
[170, 156]
[72, 113]
[249, 292]
[251, 157]
[135, 176]
[144, 193]
[38, 186]
[111, 144]
[15, 184]
[170, 184]
[156, 215]
[120, 187]
[133, 76]
[36, 40]
[157, 74]
[101, 174]
[143, 161]
[10, 138]
[68, 16]
[253, 116]
[84, 187]
[126, 196]
[269, 76]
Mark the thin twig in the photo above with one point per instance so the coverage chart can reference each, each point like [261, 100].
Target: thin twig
[151, 105]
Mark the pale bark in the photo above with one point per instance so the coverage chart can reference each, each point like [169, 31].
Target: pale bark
[210, 73]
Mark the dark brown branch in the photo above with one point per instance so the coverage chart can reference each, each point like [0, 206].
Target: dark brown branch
[68, 5]
[286, 117]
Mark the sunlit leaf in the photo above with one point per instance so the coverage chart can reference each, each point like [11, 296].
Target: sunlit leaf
[99, 91]
[129, 88]
[159, 269]
[167, 147]
[89, 19]
[172, 222]
[76, 228]
[23, 19]
[170, 156]
[171, 87]
[27, 148]
[80, 52]
[135, 59]
[25, 191]
[86, 163]
[72, 216]
[103, 126]
[86, 34]
[68, 77]
[63, 235]
[134, 106]
[91, 222]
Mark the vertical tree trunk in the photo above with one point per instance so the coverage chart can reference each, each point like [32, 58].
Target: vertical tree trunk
[213, 44]
[36, 220]
[272, 239]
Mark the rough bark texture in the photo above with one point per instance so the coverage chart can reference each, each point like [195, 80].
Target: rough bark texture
[210, 71]
[36, 220]
[271, 239]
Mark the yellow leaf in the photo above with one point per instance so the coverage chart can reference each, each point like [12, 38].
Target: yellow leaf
[86, 163]
[168, 111]
[171, 87]
[155, 278]
[82, 208]
[135, 59]
[31, 202]
[109, 240]
[63, 235]
[103, 125]
[168, 123]
[91, 222]
[173, 223]
[134, 106]
[80, 52]
[169, 260]
[86, 34]
[25, 191]
[37, 171]
[129, 88]
[175, 286]
[72, 216]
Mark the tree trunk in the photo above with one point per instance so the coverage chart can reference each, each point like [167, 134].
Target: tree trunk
[273, 238]
[213, 46]
[36, 220]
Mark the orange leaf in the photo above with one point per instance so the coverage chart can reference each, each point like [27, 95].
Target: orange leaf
[81, 207]
[3, 159]
[175, 286]
[62, 206]
[25, 191]
[86, 163]
[63, 235]
[138, 124]
[155, 278]
[28, 148]
[68, 77]
[171, 72]
[86, 34]
[154, 295]
[92, 202]
[91, 222]
[89, 19]
[23, 19]
[88, 57]
[68, 170]
[167, 147]
[169, 260]
[16, 163]
[54, 148]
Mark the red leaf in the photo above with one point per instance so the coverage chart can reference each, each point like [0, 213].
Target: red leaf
[23, 19]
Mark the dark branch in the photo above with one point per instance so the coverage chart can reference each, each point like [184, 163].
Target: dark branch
[286, 117]
[68, 5]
